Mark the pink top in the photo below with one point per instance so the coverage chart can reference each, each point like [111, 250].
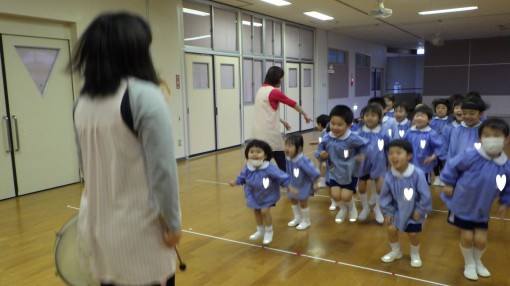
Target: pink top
[276, 96]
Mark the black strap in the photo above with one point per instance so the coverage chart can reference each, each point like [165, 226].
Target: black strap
[125, 111]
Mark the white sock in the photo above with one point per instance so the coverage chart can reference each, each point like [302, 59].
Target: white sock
[269, 229]
[260, 228]
[469, 258]
[296, 211]
[364, 200]
[477, 255]
[395, 247]
[306, 214]
[415, 250]
[333, 201]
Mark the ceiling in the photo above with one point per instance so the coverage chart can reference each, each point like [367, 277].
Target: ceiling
[404, 28]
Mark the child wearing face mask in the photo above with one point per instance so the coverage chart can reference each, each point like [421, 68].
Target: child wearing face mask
[474, 179]
[427, 144]
[405, 201]
[304, 177]
[262, 181]
[374, 164]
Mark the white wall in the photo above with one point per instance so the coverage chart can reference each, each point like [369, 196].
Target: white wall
[328, 39]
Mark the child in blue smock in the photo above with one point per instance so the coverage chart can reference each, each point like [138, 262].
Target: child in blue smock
[465, 137]
[473, 181]
[262, 181]
[304, 176]
[405, 201]
[427, 144]
[389, 99]
[388, 122]
[442, 109]
[341, 148]
[403, 123]
[374, 165]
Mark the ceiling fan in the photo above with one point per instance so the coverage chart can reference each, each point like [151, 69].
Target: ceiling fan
[380, 11]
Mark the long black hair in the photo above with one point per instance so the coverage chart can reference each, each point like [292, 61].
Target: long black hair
[274, 75]
[113, 47]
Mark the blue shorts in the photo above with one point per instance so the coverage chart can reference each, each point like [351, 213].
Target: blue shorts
[351, 186]
[465, 224]
[413, 227]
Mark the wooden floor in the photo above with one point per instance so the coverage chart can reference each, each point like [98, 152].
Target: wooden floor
[216, 249]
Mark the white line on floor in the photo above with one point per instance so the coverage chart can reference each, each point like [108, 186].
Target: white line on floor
[316, 258]
[71, 207]
[212, 182]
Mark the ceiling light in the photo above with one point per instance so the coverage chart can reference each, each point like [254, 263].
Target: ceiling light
[248, 23]
[194, 12]
[277, 2]
[448, 10]
[319, 16]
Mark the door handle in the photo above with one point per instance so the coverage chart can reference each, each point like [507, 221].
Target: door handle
[8, 150]
[17, 133]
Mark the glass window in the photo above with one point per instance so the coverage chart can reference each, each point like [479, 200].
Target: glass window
[225, 30]
[306, 44]
[197, 24]
[332, 56]
[39, 63]
[246, 30]
[227, 76]
[258, 77]
[292, 41]
[247, 81]
[277, 39]
[307, 77]
[293, 78]
[269, 38]
[257, 36]
[269, 64]
[200, 75]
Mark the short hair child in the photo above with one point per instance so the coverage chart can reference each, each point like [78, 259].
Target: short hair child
[469, 193]
[442, 108]
[322, 124]
[341, 147]
[389, 100]
[427, 144]
[322, 121]
[405, 201]
[388, 121]
[262, 181]
[401, 112]
[304, 175]
[373, 166]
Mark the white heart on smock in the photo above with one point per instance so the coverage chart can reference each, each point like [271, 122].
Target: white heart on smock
[401, 133]
[380, 144]
[389, 132]
[423, 143]
[296, 172]
[320, 139]
[265, 182]
[478, 145]
[408, 193]
[501, 182]
[346, 153]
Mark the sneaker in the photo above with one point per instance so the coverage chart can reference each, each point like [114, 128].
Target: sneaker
[441, 183]
[353, 213]
[437, 181]
[482, 271]
[415, 261]
[378, 214]
[322, 182]
[257, 235]
[268, 237]
[303, 225]
[470, 272]
[390, 256]
[294, 222]
[340, 216]
[364, 214]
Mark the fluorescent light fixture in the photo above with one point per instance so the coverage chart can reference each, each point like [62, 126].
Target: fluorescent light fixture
[194, 12]
[248, 23]
[318, 15]
[197, 38]
[462, 9]
[277, 2]
[420, 51]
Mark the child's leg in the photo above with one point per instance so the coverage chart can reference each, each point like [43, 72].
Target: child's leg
[305, 223]
[349, 202]
[268, 223]
[260, 226]
[415, 249]
[297, 214]
[480, 240]
[336, 193]
[373, 198]
[377, 210]
[466, 247]
[333, 205]
[395, 252]
[322, 179]
[362, 194]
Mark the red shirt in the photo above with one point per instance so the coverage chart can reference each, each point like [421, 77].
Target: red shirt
[276, 96]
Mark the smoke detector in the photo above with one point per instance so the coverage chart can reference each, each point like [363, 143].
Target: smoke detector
[380, 11]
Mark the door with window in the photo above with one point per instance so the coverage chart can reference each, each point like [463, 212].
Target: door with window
[39, 120]
[6, 172]
[292, 91]
[307, 96]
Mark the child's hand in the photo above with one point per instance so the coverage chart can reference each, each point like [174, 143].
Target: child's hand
[232, 183]
[430, 159]
[293, 190]
[360, 158]
[388, 219]
[448, 190]
[416, 215]
[501, 213]
[323, 155]
[314, 143]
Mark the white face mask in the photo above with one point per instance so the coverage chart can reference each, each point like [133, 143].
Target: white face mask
[255, 163]
[493, 145]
